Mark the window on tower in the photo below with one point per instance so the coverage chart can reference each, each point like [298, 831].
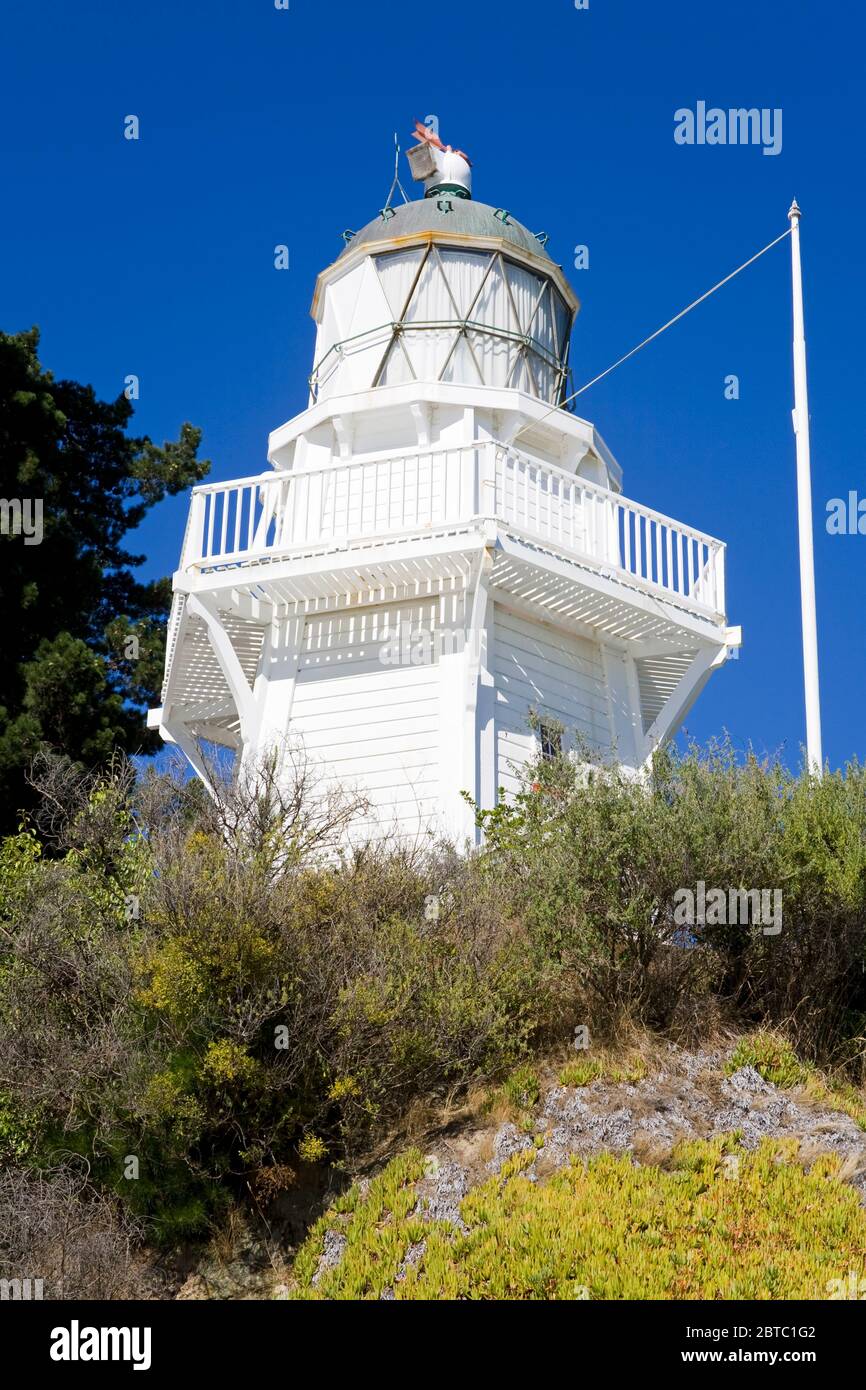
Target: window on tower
[551, 741]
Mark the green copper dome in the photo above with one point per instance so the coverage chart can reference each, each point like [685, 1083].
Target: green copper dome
[465, 218]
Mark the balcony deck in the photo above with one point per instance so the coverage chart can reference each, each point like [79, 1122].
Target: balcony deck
[420, 505]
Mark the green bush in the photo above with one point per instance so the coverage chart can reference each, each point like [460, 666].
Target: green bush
[593, 861]
[522, 1089]
[192, 984]
[772, 1057]
[216, 1011]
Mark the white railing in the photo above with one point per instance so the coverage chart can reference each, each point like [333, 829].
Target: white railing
[233, 522]
[570, 513]
[254, 520]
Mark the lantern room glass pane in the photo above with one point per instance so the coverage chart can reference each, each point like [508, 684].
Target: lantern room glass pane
[397, 272]
[525, 288]
[430, 290]
[547, 378]
[430, 301]
[464, 271]
[563, 321]
[462, 365]
[494, 304]
[495, 356]
[541, 327]
[428, 350]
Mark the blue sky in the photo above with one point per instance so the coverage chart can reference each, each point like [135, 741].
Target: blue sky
[262, 126]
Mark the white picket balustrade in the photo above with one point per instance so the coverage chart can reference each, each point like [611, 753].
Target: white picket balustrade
[251, 520]
[572, 514]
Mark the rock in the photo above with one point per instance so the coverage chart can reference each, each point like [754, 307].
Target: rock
[439, 1197]
[333, 1250]
[744, 1083]
[507, 1142]
[194, 1287]
[577, 1128]
[414, 1254]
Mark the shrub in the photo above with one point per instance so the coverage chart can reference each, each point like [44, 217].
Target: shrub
[592, 862]
[580, 1073]
[254, 1007]
[194, 984]
[522, 1089]
[771, 1056]
[58, 1227]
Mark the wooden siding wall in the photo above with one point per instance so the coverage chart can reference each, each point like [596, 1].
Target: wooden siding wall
[555, 673]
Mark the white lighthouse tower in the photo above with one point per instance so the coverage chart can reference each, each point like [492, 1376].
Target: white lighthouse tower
[439, 570]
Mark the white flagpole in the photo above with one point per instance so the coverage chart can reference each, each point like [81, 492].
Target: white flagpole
[804, 510]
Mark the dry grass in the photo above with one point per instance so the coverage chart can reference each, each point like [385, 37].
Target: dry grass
[228, 1238]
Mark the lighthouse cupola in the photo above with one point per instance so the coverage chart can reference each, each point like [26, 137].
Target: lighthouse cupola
[443, 289]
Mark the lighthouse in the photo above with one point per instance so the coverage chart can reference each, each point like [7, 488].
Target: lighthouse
[439, 575]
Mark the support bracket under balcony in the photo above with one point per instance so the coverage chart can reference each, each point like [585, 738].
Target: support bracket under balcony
[682, 697]
[176, 732]
[204, 606]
